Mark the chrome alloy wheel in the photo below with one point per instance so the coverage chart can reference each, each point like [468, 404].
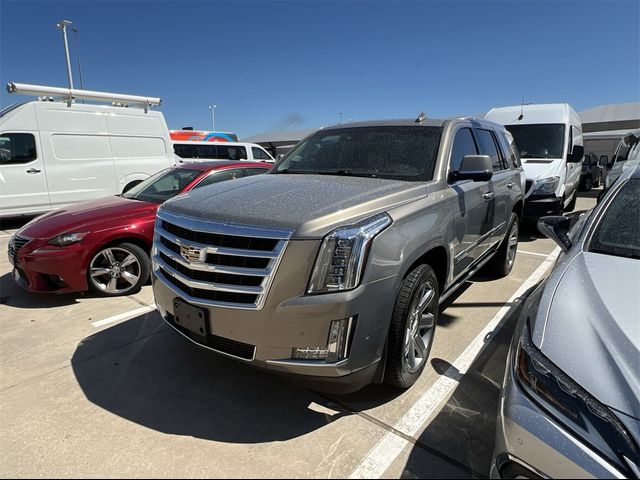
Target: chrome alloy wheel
[114, 270]
[420, 327]
[512, 248]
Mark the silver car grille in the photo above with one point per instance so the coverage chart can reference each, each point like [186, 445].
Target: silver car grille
[215, 263]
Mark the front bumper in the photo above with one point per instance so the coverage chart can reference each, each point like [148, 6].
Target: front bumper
[542, 205]
[532, 444]
[50, 270]
[266, 337]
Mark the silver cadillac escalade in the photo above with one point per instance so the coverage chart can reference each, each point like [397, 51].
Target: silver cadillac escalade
[331, 267]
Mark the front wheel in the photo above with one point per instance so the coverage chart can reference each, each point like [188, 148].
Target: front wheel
[118, 270]
[412, 327]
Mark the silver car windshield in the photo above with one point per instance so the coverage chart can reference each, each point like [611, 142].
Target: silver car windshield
[619, 230]
[392, 152]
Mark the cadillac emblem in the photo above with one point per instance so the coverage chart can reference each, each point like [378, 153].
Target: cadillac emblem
[190, 254]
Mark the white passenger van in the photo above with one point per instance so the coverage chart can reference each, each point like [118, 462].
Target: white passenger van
[197, 150]
[549, 138]
[55, 153]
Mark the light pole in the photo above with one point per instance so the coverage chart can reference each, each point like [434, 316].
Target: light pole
[75, 33]
[213, 116]
[63, 26]
[340, 121]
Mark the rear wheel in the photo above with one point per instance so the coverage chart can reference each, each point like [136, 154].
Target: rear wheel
[598, 181]
[503, 260]
[412, 327]
[118, 270]
[588, 183]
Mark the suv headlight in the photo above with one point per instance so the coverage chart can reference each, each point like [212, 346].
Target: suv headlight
[343, 254]
[575, 408]
[67, 239]
[547, 185]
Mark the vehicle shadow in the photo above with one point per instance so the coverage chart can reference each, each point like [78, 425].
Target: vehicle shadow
[14, 296]
[464, 428]
[9, 223]
[593, 193]
[144, 372]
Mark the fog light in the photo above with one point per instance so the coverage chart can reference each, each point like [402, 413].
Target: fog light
[337, 344]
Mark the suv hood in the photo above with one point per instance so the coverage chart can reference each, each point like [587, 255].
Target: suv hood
[308, 205]
[592, 331]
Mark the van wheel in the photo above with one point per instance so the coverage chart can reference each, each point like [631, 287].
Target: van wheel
[118, 270]
[412, 329]
[131, 185]
[598, 181]
[588, 184]
[572, 204]
[503, 260]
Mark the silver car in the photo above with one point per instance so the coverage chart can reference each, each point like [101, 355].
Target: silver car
[570, 405]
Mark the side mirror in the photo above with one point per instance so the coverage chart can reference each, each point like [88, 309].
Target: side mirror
[557, 229]
[576, 155]
[604, 160]
[478, 168]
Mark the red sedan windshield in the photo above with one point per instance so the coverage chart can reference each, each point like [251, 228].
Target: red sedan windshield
[163, 185]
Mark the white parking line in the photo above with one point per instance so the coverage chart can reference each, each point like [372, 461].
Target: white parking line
[123, 316]
[380, 458]
[6, 235]
[534, 253]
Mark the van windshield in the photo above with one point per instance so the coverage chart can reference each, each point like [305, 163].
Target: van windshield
[545, 140]
[393, 152]
[163, 185]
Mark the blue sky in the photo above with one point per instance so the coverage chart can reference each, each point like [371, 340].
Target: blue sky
[268, 65]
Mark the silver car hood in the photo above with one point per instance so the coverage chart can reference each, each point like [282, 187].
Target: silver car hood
[592, 328]
[308, 205]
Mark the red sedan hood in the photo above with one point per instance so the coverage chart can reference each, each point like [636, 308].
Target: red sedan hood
[86, 216]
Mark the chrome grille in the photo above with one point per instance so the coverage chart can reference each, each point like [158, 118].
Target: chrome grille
[214, 263]
[15, 244]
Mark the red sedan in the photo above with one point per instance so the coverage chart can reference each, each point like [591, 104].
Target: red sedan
[104, 245]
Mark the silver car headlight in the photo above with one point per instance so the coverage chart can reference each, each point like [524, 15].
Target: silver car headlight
[575, 408]
[547, 186]
[343, 254]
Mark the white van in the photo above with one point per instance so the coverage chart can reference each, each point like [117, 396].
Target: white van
[53, 154]
[197, 150]
[549, 138]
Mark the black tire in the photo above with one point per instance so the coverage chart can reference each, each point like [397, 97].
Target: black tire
[116, 278]
[131, 185]
[403, 367]
[503, 260]
[588, 184]
[598, 181]
[572, 204]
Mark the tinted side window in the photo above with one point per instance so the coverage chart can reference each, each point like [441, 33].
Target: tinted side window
[16, 148]
[231, 152]
[511, 150]
[488, 147]
[249, 172]
[223, 176]
[257, 153]
[463, 144]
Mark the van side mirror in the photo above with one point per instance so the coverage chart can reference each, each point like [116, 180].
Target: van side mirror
[604, 160]
[557, 229]
[478, 168]
[576, 155]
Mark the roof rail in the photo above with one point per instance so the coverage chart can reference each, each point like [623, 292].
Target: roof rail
[71, 94]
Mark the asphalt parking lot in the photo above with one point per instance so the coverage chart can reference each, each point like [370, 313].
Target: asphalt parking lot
[95, 387]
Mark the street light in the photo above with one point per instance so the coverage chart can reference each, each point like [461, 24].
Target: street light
[213, 116]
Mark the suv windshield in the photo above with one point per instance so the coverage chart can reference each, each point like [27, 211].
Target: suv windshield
[618, 232]
[163, 185]
[393, 152]
[539, 140]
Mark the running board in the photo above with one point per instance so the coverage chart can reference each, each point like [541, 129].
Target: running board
[462, 280]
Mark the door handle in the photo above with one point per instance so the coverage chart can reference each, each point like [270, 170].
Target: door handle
[33, 170]
[489, 196]
[510, 185]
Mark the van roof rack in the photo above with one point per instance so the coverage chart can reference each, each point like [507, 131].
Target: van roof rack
[69, 95]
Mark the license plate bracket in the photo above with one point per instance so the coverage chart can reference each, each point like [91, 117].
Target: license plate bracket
[191, 318]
